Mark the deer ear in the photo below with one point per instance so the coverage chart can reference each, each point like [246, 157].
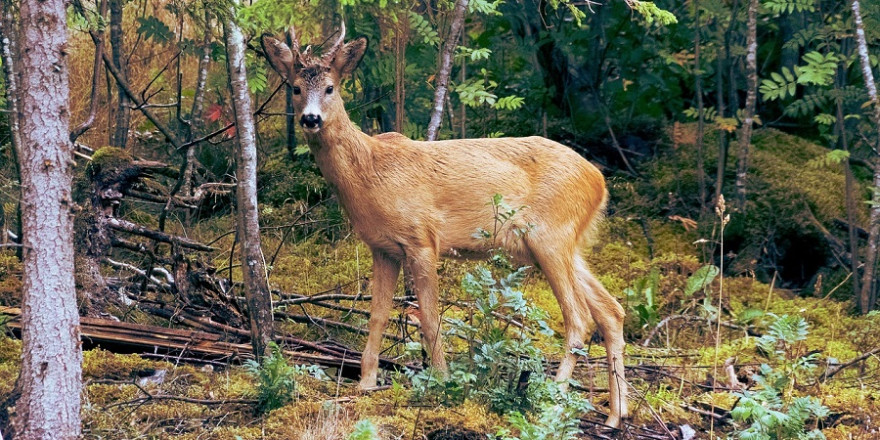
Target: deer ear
[279, 55]
[348, 58]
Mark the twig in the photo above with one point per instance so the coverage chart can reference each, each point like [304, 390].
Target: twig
[691, 318]
[134, 228]
[858, 359]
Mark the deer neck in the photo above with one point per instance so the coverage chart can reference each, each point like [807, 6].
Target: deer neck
[344, 154]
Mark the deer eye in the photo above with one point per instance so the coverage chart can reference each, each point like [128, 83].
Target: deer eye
[330, 90]
[296, 90]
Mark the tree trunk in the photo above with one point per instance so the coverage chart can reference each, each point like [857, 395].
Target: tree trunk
[290, 112]
[849, 182]
[698, 79]
[745, 134]
[446, 68]
[96, 82]
[868, 295]
[8, 36]
[256, 285]
[51, 370]
[198, 107]
[723, 140]
[119, 137]
[401, 32]
[195, 115]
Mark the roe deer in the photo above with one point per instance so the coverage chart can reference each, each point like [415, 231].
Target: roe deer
[413, 201]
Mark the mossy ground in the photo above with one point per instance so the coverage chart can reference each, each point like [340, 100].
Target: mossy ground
[670, 377]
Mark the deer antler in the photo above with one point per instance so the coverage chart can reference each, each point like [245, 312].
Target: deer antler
[338, 44]
[294, 42]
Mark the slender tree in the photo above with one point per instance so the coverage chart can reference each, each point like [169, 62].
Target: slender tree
[8, 33]
[256, 284]
[849, 181]
[289, 111]
[446, 68]
[698, 80]
[745, 133]
[119, 137]
[868, 295]
[50, 378]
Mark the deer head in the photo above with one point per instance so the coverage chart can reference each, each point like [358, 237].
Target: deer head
[315, 79]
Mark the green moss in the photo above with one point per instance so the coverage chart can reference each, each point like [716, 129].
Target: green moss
[103, 364]
[108, 158]
[282, 181]
[10, 349]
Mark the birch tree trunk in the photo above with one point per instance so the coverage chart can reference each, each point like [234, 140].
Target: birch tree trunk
[745, 133]
[51, 370]
[252, 265]
[195, 115]
[868, 295]
[446, 68]
[8, 35]
[119, 137]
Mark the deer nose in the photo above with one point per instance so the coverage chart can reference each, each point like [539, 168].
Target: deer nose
[310, 121]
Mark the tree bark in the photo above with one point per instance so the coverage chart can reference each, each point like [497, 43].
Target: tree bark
[701, 127]
[745, 134]
[289, 111]
[257, 292]
[446, 68]
[849, 183]
[96, 81]
[8, 46]
[51, 371]
[195, 115]
[119, 138]
[401, 31]
[868, 295]
[723, 141]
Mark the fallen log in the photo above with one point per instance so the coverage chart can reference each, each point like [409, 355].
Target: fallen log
[139, 338]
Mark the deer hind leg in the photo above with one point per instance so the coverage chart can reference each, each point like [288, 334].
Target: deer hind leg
[385, 273]
[421, 268]
[558, 268]
[608, 314]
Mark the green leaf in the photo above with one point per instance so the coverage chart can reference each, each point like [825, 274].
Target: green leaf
[701, 279]
[151, 28]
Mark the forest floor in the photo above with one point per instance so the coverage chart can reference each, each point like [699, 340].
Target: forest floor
[777, 356]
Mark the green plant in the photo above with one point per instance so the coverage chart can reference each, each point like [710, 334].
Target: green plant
[276, 379]
[772, 411]
[364, 430]
[641, 298]
[502, 367]
[556, 416]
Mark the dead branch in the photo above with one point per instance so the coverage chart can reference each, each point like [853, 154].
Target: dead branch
[691, 318]
[138, 247]
[718, 417]
[149, 397]
[133, 228]
[304, 319]
[143, 273]
[158, 199]
[832, 372]
[96, 79]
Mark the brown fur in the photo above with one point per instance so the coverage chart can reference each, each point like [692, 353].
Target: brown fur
[413, 201]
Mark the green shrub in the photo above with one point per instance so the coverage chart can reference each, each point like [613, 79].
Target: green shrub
[276, 379]
[773, 412]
